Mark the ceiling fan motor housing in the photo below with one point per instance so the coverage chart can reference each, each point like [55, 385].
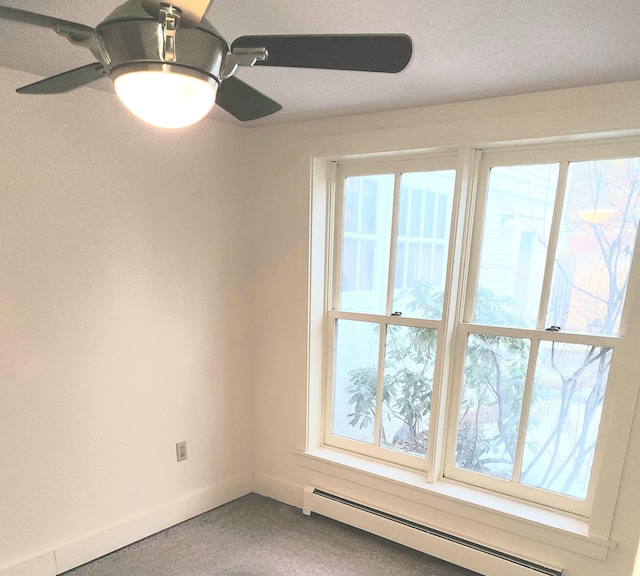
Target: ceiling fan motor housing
[133, 41]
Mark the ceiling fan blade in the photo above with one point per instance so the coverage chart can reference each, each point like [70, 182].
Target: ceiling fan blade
[192, 11]
[69, 28]
[244, 102]
[364, 52]
[66, 81]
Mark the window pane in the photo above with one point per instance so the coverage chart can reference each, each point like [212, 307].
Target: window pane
[366, 243]
[439, 256]
[566, 404]
[429, 214]
[415, 212]
[355, 379]
[443, 217]
[408, 380]
[349, 263]
[490, 407]
[369, 206]
[366, 270]
[412, 272]
[351, 212]
[426, 200]
[400, 270]
[514, 245]
[595, 246]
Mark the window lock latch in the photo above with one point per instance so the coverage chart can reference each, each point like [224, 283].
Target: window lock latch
[396, 314]
[553, 329]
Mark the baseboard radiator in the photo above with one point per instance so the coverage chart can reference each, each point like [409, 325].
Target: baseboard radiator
[451, 548]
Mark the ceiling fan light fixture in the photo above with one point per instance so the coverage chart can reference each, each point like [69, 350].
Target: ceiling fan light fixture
[167, 98]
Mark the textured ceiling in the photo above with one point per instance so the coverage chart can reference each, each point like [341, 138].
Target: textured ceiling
[463, 50]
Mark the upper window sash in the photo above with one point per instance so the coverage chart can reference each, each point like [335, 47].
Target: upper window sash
[532, 241]
[372, 238]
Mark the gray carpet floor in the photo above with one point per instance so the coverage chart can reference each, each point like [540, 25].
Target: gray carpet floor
[257, 536]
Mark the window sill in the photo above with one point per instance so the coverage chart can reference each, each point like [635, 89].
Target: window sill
[540, 524]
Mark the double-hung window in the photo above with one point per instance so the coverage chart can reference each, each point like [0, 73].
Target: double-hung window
[476, 302]
[390, 263]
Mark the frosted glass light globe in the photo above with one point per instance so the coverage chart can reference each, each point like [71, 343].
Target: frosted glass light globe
[166, 99]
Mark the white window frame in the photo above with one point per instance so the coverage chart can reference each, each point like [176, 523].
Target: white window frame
[462, 260]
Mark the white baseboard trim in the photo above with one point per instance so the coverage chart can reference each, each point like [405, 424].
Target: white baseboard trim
[271, 487]
[95, 545]
[44, 565]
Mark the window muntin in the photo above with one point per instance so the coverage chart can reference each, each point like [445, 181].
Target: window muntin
[532, 471]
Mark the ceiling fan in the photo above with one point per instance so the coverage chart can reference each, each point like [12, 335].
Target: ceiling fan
[170, 65]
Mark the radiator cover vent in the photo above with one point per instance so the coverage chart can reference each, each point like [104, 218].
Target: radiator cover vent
[525, 566]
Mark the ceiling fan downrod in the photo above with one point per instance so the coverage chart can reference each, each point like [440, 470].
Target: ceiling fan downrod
[169, 20]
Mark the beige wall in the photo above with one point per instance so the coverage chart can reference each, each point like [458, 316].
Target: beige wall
[123, 316]
[280, 290]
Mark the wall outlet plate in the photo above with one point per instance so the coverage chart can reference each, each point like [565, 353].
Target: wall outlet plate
[181, 451]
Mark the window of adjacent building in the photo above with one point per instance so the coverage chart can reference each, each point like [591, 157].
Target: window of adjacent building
[504, 333]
